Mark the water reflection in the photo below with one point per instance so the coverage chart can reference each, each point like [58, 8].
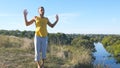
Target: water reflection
[103, 57]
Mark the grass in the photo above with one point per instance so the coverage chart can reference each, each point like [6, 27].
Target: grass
[19, 53]
[15, 57]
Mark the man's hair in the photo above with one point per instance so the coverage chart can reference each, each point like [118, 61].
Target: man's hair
[41, 7]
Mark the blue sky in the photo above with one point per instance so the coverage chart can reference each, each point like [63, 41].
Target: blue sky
[75, 16]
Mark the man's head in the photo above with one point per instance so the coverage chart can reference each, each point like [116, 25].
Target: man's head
[41, 11]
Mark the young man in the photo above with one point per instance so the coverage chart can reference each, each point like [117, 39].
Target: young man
[40, 39]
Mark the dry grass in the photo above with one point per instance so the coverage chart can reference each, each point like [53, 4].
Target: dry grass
[19, 53]
[16, 52]
[71, 55]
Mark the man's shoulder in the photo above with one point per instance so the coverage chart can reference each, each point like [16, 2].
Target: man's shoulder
[36, 16]
[45, 17]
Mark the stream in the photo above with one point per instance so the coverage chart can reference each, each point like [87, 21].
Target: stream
[103, 57]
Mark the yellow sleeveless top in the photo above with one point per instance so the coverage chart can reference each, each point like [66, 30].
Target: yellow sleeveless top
[41, 26]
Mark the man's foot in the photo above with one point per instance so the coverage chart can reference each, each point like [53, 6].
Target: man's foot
[42, 66]
[38, 66]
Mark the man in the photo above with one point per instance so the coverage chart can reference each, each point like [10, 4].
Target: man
[40, 39]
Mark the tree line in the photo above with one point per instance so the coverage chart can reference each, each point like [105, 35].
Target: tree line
[67, 39]
[55, 38]
[18, 33]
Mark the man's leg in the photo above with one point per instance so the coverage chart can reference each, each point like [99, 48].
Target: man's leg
[44, 50]
[37, 50]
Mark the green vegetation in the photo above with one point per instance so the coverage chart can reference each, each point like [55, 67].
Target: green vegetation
[112, 44]
[17, 33]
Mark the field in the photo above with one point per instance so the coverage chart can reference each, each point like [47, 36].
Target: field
[19, 52]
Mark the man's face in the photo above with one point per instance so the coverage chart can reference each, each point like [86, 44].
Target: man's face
[41, 11]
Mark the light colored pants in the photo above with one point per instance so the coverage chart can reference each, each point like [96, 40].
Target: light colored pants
[40, 44]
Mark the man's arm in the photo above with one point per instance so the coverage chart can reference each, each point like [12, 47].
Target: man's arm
[52, 25]
[25, 18]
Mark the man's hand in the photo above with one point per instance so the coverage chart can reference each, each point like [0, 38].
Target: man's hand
[25, 12]
[57, 18]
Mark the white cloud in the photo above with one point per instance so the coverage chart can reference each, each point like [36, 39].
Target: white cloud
[65, 17]
[69, 17]
[66, 22]
[9, 15]
[116, 20]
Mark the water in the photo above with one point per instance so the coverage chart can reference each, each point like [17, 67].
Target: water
[103, 57]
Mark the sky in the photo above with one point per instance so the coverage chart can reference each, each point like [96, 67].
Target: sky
[75, 16]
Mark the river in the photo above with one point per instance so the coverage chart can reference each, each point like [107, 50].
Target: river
[103, 57]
